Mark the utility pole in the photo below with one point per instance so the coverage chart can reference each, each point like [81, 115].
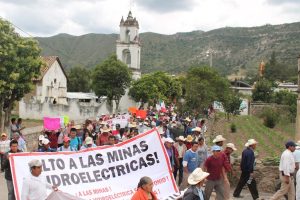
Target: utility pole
[297, 134]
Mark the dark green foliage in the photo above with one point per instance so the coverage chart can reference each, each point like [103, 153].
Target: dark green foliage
[79, 79]
[289, 99]
[232, 103]
[152, 87]
[233, 128]
[270, 117]
[203, 86]
[110, 79]
[263, 91]
[19, 64]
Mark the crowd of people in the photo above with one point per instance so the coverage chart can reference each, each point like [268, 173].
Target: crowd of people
[194, 163]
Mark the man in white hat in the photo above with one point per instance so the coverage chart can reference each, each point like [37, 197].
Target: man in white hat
[46, 146]
[35, 186]
[196, 133]
[227, 152]
[181, 149]
[171, 152]
[219, 140]
[247, 167]
[88, 143]
[196, 180]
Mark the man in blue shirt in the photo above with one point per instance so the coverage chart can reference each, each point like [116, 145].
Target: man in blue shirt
[190, 163]
[247, 167]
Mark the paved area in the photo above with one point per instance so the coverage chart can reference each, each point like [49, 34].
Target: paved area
[3, 187]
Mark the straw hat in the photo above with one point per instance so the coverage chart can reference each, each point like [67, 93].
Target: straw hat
[88, 140]
[105, 129]
[219, 138]
[181, 138]
[250, 142]
[188, 119]
[77, 127]
[231, 145]
[197, 129]
[189, 138]
[197, 176]
[3, 134]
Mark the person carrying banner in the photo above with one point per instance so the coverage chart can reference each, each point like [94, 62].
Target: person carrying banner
[6, 165]
[196, 180]
[35, 186]
[144, 190]
[66, 145]
[46, 146]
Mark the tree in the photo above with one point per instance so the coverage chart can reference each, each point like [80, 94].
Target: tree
[79, 79]
[110, 79]
[203, 86]
[275, 71]
[19, 64]
[232, 103]
[263, 91]
[152, 87]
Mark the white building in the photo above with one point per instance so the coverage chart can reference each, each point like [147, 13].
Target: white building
[51, 99]
[128, 45]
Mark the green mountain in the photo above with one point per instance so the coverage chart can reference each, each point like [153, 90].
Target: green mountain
[234, 49]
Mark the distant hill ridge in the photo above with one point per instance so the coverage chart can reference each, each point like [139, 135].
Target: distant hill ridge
[234, 48]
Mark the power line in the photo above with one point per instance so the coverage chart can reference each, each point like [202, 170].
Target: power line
[31, 36]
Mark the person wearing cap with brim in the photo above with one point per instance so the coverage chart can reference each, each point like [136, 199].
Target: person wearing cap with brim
[7, 169]
[41, 137]
[219, 140]
[190, 163]
[171, 152]
[286, 173]
[181, 149]
[214, 166]
[196, 181]
[46, 146]
[247, 168]
[230, 148]
[189, 141]
[196, 133]
[35, 186]
[88, 143]
[66, 145]
[4, 147]
[103, 136]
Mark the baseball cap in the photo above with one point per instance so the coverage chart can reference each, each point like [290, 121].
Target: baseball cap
[216, 148]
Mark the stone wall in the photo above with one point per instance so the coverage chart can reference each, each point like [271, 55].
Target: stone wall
[267, 177]
[75, 110]
[256, 108]
[31, 135]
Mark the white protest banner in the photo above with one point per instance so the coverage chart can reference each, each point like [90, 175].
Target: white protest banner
[120, 119]
[107, 172]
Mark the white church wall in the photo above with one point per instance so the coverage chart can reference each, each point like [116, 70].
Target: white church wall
[54, 73]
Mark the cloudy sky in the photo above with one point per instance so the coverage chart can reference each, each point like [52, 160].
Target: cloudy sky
[77, 17]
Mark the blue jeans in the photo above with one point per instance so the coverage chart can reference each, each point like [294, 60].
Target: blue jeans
[10, 189]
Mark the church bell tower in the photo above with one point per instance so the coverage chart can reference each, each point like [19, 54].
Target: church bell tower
[128, 45]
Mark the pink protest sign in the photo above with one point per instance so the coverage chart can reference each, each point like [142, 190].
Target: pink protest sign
[51, 123]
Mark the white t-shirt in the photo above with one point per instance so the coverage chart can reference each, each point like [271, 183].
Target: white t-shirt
[35, 188]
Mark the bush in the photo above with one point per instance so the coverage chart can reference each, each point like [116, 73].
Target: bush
[270, 117]
[233, 128]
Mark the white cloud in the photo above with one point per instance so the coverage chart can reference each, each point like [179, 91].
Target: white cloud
[76, 17]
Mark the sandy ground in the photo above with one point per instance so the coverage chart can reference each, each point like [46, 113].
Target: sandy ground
[245, 193]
